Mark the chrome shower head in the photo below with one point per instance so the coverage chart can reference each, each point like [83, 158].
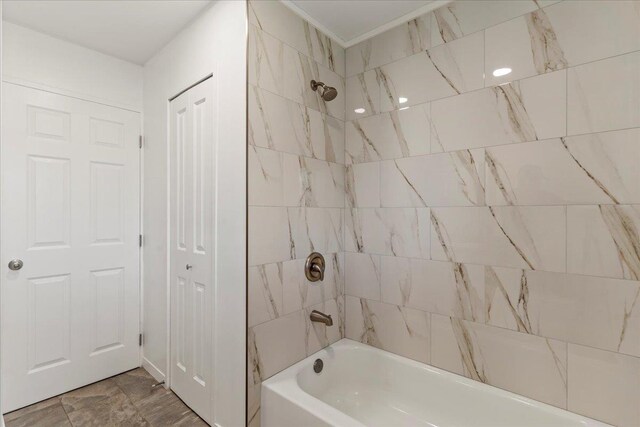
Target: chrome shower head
[327, 93]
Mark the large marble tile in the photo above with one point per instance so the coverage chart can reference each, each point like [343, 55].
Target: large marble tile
[391, 135]
[447, 179]
[460, 18]
[277, 344]
[362, 95]
[604, 240]
[530, 237]
[322, 183]
[275, 178]
[450, 289]
[388, 231]
[27, 410]
[593, 311]
[563, 35]
[271, 238]
[439, 72]
[363, 276]
[400, 330]
[604, 95]
[526, 110]
[281, 234]
[586, 169]
[524, 364]
[299, 293]
[264, 293]
[604, 385]
[163, 409]
[280, 69]
[299, 70]
[254, 381]
[284, 125]
[279, 21]
[362, 185]
[399, 42]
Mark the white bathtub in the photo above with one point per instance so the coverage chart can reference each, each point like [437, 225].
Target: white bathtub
[363, 386]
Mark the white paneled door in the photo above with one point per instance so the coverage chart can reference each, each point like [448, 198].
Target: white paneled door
[70, 213]
[192, 236]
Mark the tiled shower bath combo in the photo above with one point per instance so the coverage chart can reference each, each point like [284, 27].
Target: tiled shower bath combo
[484, 223]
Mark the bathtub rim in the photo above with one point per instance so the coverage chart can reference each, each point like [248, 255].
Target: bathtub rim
[285, 384]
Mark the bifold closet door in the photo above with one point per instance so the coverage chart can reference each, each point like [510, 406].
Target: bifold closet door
[70, 214]
[192, 236]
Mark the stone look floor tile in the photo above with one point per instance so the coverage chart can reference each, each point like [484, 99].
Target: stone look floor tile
[124, 400]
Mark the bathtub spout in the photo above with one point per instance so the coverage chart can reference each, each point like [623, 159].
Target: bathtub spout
[317, 316]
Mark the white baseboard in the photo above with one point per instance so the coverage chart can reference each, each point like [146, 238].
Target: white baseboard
[153, 370]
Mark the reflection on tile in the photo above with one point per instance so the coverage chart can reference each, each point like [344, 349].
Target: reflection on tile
[531, 237]
[362, 185]
[436, 73]
[594, 311]
[282, 23]
[400, 330]
[566, 34]
[528, 365]
[604, 385]
[399, 42]
[526, 110]
[283, 125]
[392, 135]
[136, 384]
[604, 240]
[446, 288]
[449, 179]
[604, 95]
[388, 231]
[265, 293]
[460, 18]
[594, 168]
[363, 95]
[363, 276]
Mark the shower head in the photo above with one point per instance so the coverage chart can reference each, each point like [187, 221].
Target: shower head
[327, 93]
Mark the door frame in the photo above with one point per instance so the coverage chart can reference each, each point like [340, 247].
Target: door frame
[95, 100]
[212, 295]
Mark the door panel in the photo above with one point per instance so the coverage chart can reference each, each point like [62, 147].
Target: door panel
[70, 211]
[192, 234]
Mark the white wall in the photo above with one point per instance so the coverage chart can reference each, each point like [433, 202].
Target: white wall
[37, 59]
[214, 43]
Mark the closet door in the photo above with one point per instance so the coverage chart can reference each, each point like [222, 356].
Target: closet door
[191, 251]
[70, 215]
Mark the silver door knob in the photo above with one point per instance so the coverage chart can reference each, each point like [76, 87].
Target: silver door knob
[189, 266]
[15, 264]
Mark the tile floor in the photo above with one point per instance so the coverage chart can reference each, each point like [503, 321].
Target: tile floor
[123, 400]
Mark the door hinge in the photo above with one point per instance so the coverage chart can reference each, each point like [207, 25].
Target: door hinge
[140, 141]
[140, 340]
[140, 240]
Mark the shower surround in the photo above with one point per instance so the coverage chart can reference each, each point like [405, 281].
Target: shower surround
[486, 225]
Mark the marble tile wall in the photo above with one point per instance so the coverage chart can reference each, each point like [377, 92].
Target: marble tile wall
[297, 181]
[492, 223]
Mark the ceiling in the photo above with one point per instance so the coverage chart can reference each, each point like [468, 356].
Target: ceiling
[351, 21]
[132, 30]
